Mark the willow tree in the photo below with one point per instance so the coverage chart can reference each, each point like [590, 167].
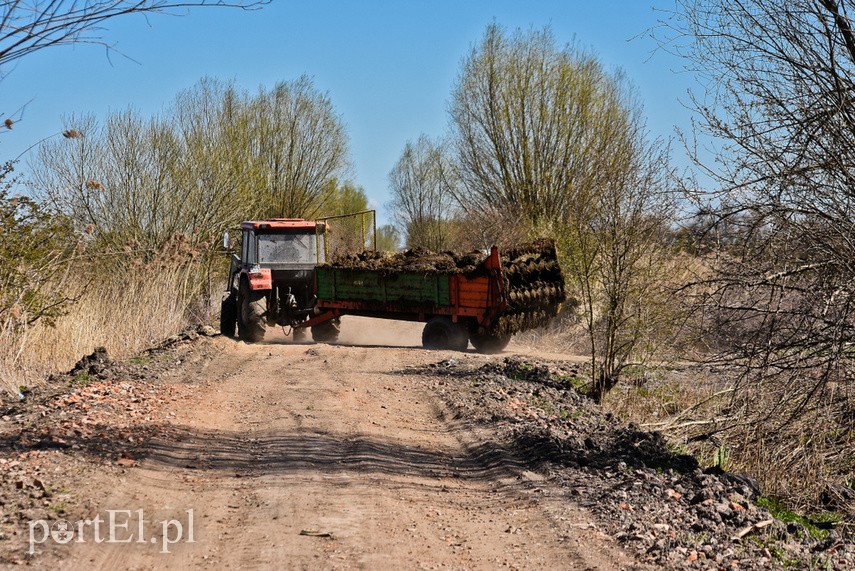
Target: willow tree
[548, 141]
[299, 145]
[115, 179]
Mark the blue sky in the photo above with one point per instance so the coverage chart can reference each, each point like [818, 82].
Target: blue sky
[388, 66]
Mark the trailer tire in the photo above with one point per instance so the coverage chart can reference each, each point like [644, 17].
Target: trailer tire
[442, 333]
[251, 324]
[326, 332]
[228, 314]
[487, 343]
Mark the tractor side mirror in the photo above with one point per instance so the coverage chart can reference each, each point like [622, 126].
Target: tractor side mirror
[226, 241]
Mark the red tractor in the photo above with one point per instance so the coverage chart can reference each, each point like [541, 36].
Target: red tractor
[272, 282]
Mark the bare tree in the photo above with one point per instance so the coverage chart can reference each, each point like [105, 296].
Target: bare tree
[778, 83]
[779, 91]
[221, 157]
[117, 180]
[33, 25]
[421, 185]
[30, 26]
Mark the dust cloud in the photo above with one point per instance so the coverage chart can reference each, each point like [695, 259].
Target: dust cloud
[385, 332]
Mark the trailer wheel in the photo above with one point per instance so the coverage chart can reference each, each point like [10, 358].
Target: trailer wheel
[490, 343]
[253, 306]
[442, 333]
[228, 314]
[326, 332]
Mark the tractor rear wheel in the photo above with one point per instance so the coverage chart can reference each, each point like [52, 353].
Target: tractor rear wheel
[441, 332]
[251, 324]
[487, 343]
[326, 332]
[228, 314]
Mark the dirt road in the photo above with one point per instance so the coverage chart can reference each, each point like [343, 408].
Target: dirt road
[305, 456]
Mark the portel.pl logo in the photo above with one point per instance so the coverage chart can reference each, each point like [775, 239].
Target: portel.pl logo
[118, 526]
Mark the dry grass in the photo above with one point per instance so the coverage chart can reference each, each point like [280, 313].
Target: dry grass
[125, 311]
[806, 460]
[569, 339]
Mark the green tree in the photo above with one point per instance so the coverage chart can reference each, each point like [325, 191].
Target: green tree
[548, 142]
[35, 248]
[349, 233]
[388, 238]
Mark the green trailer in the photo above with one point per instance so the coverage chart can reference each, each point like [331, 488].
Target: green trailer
[485, 306]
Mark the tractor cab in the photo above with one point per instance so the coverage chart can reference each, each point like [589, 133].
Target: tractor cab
[283, 244]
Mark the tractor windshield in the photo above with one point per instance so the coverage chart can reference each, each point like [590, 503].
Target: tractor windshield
[276, 249]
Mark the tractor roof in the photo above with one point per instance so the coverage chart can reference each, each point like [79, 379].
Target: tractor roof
[282, 224]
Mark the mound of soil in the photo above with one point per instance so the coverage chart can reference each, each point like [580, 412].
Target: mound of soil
[414, 260]
[97, 417]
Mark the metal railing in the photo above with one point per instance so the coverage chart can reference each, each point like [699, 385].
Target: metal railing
[361, 214]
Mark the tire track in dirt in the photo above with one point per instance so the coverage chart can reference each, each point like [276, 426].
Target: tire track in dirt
[324, 439]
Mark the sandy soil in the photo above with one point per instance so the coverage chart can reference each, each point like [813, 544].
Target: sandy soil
[314, 456]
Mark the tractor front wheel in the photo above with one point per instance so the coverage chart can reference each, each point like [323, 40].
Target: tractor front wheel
[442, 333]
[253, 307]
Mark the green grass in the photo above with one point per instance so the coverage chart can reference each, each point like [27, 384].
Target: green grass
[58, 508]
[781, 556]
[544, 404]
[578, 384]
[779, 511]
[678, 448]
[519, 371]
[721, 458]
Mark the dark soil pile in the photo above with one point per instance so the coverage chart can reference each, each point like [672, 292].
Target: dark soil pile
[657, 502]
[414, 260]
